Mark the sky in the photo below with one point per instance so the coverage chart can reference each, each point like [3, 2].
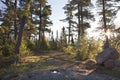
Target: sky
[57, 15]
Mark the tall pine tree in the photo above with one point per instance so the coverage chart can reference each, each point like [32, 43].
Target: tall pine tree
[108, 12]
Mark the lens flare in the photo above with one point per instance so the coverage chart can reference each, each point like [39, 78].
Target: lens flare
[108, 33]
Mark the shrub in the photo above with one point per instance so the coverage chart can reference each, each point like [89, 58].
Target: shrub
[24, 50]
[69, 49]
[7, 50]
[89, 48]
[30, 45]
[45, 45]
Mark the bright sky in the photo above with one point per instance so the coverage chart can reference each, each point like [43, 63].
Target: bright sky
[57, 14]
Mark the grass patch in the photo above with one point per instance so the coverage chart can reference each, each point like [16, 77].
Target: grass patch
[70, 58]
[35, 64]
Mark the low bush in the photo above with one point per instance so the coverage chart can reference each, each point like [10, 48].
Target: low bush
[70, 50]
[24, 50]
[44, 45]
[7, 50]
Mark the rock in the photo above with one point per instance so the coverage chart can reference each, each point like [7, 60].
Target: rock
[117, 63]
[108, 53]
[9, 76]
[109, 64]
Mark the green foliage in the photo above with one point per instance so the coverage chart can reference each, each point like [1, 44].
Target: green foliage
[69, 49]
[89, 48]
[83, 51]
[95, 46]
[53, 45]
[44, 45]
[30, 45]
[24, 50]
[115, 43]
[7, 50]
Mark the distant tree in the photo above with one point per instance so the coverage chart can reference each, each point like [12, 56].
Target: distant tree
[52, 41]
[41, 13]
[46, 21]
[52, 36]
[63, 37]
[83, 15]
[57, 39]
[69, 8]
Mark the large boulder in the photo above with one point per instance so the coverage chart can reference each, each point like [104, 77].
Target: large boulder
[109, 64]
[107, 54]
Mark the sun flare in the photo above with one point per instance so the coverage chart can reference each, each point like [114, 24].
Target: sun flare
[108, 33]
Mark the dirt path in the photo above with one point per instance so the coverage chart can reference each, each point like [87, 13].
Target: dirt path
[63, 69]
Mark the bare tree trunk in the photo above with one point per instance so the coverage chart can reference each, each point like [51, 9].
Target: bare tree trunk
[69, 34]
[81, 13]
[79, 27]
[18, 44]
[40, 25]
[70, 25]
[106, 44]
[79, 31]
[15, 21]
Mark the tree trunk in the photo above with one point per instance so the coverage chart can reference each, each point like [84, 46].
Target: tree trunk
[18, 44]
[69, 29]
[40, 25]
[79, 28]
[15, 21]
[70, 24]
[81, 24]
[106, 44]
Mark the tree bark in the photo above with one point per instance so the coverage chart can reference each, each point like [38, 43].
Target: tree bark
[79, 28]
[18, 44]
[40, 25]
[81, 13]
[106, 44]
[69, 34]
[15, 20]
[70, 24]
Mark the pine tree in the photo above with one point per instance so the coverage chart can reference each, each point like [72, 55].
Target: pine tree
[63, 38]
[69, 8]
[108, 14]
[23, 20]
[83, 15]
[43, 11]
[30, 28]
[7, 20]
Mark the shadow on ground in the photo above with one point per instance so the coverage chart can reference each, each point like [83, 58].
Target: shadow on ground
[58, 66]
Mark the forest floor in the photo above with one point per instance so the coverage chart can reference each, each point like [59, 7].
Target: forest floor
[56, 65]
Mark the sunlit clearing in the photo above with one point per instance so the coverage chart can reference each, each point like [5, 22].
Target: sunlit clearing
[30, 59]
